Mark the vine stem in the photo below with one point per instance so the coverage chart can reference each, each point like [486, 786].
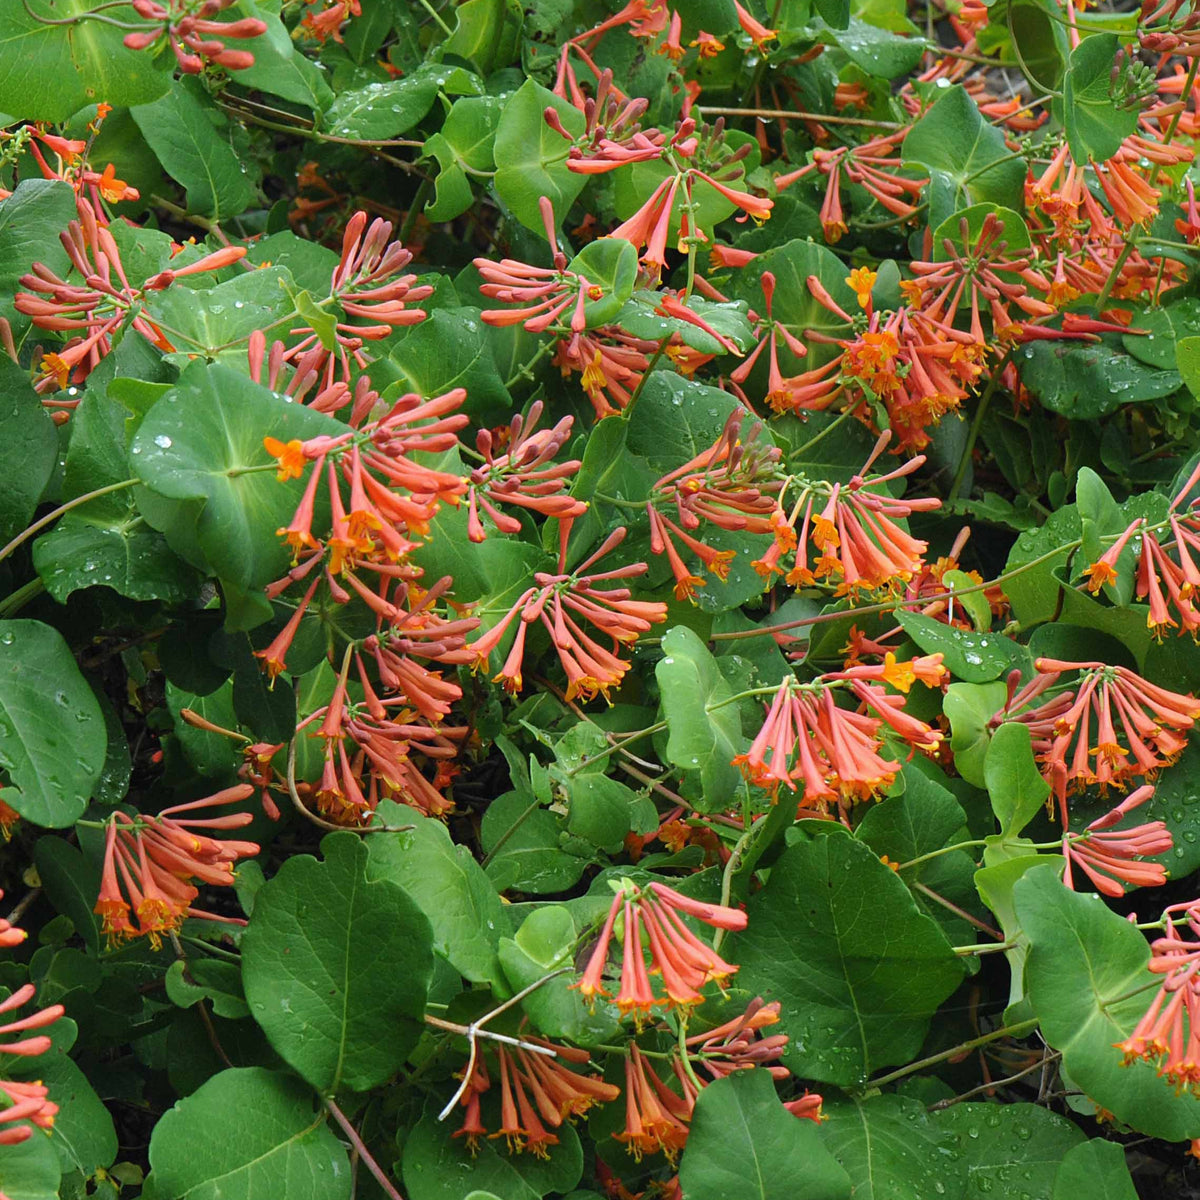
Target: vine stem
[891, 606]
[1018, 1030]
[981, 409]
[475, 1031]
[709, 110]
[361, 1150]
[53, 516]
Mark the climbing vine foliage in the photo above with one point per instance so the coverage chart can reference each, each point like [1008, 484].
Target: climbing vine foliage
[599, 602]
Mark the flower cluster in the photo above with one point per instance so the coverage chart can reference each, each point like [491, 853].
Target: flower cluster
[561, 602]
[153, 863]
[1108, 728]
[836, 754]
[682, 961]
[194, 37]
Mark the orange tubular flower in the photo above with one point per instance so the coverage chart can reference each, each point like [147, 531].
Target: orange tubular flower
[1111, 858]
[656, 1119]
[26, 1101]
[731, 485]
[1138, 726]
[524, 476]
[561, 601]
[1169, 1032]
[853, 529]
[192, 34]
[149, 860]
[835, 753]
[684, 962]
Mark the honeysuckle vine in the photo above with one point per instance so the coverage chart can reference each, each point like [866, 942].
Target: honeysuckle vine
[592, 597]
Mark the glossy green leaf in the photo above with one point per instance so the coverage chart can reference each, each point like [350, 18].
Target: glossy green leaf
[1095, 126]
[28, 448]
[448, 885]
[386, 110]
[1096, 1169]
[52, 736]
[971, 657]
[744, 1143]
[1015, 785]
[704, 729]
[439, 1167]
[336, 967]
[970, 708]
[49, 71]
[106, 541]
[856, 996]
[190, 136]
[968, 157]
[1086, 973]
[890, 1147]
[248, 1132]
[203, 443]
[1008, 1149]
[487, 33]
[31, 1170]
[532, 158]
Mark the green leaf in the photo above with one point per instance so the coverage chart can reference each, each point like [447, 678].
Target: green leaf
[856, 996]
[386, 110]
[52, 736]
[49, 70]
[278, 66]
[1187, 362]
[449, 886]
[336, 967]
[201, 443]
[891, 1148]
[450, 349]
[1015, 785]
[28, 447]
[969, 708]
[968, 157]
[217, 322]
[610, 264]
[743, 1143]
[877, 51]
[971, 657]
[247, 1133]
[1008, 1149]
[30, 221]
[1092, 379]
[72, 883]
[106, 541]
[31, 1170]
[84, 1136]
[1034, 592]
[794, 305]
[1095, 126]
[530, 857]
[210, 979]
[532, 158]
[188, 133]
[487, 33]
[546, 941]
[1086, 973]
[438, 1167]
[1096, 1169]
[704, 730]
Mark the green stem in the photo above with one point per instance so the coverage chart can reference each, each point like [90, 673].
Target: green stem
[976, 425]
[525, 370]
[616, 746]
[15, 601]
[1015, 1031]
[53, 516]
[912, 862]
[824, 432]
[1110, 282]
[521, 819]
[415, 209]
[637, 391]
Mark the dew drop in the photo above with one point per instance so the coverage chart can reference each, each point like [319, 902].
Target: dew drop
[162, 441]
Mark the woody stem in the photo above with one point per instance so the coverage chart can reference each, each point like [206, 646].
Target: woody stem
[361, 1150]
[1014, 1031]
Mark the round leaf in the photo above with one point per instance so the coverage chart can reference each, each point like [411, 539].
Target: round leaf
[52, 736]
[336, 968]
[247, 1133]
